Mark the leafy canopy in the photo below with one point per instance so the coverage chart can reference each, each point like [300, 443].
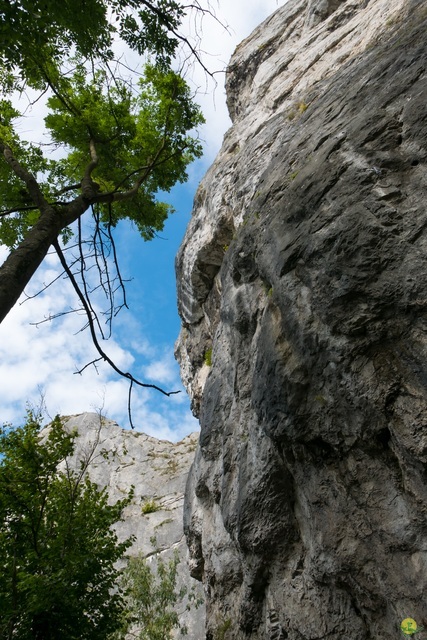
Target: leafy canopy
[122, 135]
[138, 135]
[57, 548]
[36, 36]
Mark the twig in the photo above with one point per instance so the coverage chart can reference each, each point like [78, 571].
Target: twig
[54, 316]
[83, 279]
[104, 356]
[113, 246]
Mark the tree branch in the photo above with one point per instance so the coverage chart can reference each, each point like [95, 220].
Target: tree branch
[25, 175]
[91, 325]
[116, 263]
[17, 209]
[85, 292]
[51, 317]
[89, 188]
[70, 187]
[21, 264]
[163, 18]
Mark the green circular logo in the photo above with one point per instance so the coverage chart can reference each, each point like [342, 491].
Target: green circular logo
[408, 626]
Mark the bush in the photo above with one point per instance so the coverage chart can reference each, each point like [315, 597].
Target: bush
[58, 552]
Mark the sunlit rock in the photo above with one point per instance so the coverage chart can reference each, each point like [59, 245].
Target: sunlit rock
[303, 274]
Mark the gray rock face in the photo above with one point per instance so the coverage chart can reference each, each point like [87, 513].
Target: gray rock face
[304, 269]
[158, 470]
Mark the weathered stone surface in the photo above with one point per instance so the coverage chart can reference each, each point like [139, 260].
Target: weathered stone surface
[304, 269]
[158, 470]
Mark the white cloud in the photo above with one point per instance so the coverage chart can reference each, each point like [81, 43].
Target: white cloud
[161, 371]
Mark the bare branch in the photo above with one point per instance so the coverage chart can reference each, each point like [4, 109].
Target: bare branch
[92, 362]
[163, 18]
[43, 289]
[116, 263]
[130, 405]
[92, 314]
[91, 326]
[51, 317]
[105, 283]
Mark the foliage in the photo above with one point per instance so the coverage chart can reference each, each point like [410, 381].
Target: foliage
[150, 506]
[208, 357]
[135, 134]
[36, 36]
[151, 595]
[115, 138]
[222, 629]
[57, 548]
[128, 138]
[129, 143]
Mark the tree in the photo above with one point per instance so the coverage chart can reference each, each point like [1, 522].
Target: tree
[151, 596]
[123, 135]
[58, 578]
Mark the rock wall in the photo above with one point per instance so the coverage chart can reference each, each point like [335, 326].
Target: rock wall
[158, 469]
[303, 296]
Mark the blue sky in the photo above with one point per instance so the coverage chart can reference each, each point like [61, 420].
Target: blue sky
[151, 264]
[40, 361]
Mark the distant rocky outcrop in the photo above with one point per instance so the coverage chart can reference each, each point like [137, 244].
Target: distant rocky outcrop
[303, 296]
[158, 470]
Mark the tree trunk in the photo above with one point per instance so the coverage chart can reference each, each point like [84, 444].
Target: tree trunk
[20, 266]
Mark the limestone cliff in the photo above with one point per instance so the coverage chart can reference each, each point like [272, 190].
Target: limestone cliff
[118, 459]
[303, 295]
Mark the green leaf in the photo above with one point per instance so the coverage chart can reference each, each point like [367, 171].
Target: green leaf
[58, 551]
